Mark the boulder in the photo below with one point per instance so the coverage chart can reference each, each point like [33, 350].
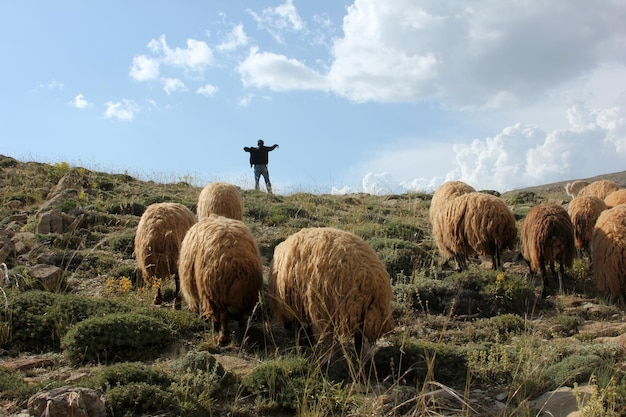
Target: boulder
[53, 221]
[67, 401]
[50, 277]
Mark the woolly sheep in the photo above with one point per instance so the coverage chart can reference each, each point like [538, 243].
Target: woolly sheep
[608, 248]
[444, 194]
[332, 281]
[583, 212]
[160, 232]
[600, 188]
[615, 198]
[573, 188]
[220, 271]
[548, 236]
[478, 224]
[220, 198]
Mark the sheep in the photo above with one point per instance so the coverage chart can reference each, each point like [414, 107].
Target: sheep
[444, 194]
[573, 188]
[220, 271]
[160, 232]
[608, 248]
[615, 198]
[548, 236]
[478, 224]
[333, 282]
[583, 212]
[220, 198]
[601, 188]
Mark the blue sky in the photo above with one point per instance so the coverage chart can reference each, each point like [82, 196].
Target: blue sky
[378, 96]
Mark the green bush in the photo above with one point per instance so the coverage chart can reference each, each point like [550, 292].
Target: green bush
[574, 368]
[140, 399]
[40, 319]
[283, 382]
[415, 362]
[126, 373]
[399, 256]
[396, 230]
[199, 376]
[116, 337]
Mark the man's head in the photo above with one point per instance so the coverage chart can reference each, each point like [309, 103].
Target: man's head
[260, 142]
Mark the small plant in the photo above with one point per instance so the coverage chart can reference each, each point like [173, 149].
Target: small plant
[128, 372]
[140, 398]
[116, 337]
[118, 286]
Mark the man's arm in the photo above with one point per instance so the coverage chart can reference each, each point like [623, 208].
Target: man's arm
[273, 147]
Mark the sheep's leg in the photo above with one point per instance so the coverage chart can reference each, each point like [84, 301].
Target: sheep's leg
[358, 343]
[223, 337]
[177, 304]
[544, 280]
[561, 274]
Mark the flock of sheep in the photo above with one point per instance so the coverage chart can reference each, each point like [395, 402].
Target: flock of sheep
[331, 282]
[323, 279]
[468, 223]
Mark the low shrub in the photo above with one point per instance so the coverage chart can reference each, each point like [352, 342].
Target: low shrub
[140, 399]
[284, 382]
[116, 337]
[128, 372]
[415, 362]
[40, 319]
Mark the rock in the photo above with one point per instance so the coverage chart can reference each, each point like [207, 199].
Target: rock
[6, 247]
[67, 401]
[502, 396]
[53, 221]
[618, 340]
[51, 277]
[24, 364]
[561, 402]
[23, 243]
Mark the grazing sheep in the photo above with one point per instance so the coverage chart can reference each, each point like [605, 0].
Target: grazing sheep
[332, 281]
[608, 248]
[548, 236]
[600, 188]
[220, 271]
[478, 224]
[160, 232]
[220, 198]
[573, 188]
[444, 194]
[616, 198]
[583, 212]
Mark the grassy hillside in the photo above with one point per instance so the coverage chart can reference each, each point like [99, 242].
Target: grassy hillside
[477, 342]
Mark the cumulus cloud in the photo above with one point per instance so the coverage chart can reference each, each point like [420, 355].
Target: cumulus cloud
[144, 68]
[172, 85]
[523, 155]
[80, 102]
[194, 58]
[124, 110]
[207, 90]
[277, 20]
[480, 56]
[234, 39]
[278, 73]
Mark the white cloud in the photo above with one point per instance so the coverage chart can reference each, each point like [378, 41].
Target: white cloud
[483, 55]
[246, 100]
[278, 73]
[194, 58]
[122, 110]
[277, 20]
[51, 85]
[207, 90]
[80, 102]
[517, 157]
[172, 85]
[144, 68]
[234, 39]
